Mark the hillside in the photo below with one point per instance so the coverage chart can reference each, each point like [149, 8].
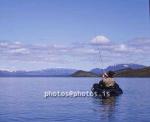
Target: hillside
[39, 73]
[117, 67]
[82, 73]
[128, 72]
[144, 72]
[122, 70]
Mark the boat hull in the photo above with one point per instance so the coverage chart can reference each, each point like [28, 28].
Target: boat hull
[106, 92]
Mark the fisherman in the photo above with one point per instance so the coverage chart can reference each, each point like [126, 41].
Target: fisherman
[107, 87]
[107, 80]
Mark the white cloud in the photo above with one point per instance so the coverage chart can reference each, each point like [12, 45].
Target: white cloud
[84, 51]
[20, 51]
[121, 48]
[100, 39]
[142, 44]
[3, 44]
[77, 52]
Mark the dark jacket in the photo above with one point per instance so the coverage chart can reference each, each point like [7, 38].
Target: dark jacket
[103, 86]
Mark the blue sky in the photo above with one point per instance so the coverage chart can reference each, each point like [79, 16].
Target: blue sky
[37, 34]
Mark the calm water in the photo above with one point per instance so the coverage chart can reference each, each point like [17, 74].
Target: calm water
[22, 100]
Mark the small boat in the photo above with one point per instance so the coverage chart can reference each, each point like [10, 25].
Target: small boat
[106, 92]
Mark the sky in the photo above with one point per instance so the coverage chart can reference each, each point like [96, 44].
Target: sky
[39, 34]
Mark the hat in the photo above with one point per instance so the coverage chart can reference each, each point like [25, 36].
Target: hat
[110, 74]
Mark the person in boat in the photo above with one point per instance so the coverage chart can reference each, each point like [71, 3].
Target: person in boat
[107, 86]
[107, 80]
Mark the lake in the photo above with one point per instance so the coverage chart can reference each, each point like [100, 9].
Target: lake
[22, 100]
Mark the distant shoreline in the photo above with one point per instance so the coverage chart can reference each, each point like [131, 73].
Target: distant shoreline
[66, 77]
[132, 71]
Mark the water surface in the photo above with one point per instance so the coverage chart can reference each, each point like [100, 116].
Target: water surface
[22, 100]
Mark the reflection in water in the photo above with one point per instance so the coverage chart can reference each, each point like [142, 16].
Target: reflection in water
[106, 108]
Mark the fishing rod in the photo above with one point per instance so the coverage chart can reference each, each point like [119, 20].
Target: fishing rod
[101, 60]
[149, 9]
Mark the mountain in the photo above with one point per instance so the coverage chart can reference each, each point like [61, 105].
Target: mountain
[128, 72]
[53, 72]
[97, 71]
[117, 67]
[144, 72]
[82, 73]
[123, 70]
[40, 73]
[124, 66]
